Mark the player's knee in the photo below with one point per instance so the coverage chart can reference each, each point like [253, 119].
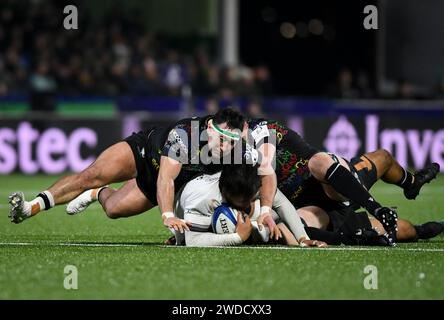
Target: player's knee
[406, 231]
[319, 164]
[112, 212]
[385, 155]
[111, 209]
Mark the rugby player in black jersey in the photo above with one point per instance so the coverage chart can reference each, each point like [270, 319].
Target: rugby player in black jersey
[300, 169]
[154, 163]
[297, 166]
[343, 222]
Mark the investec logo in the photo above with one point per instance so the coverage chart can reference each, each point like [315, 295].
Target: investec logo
[421, 145]
[342, 139]
[51, 151]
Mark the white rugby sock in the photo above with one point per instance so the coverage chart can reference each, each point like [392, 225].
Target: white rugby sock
[43, 201]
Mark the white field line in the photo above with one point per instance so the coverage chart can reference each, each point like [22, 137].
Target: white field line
[125, 245]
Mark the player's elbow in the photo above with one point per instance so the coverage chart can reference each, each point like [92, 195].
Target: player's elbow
[267, 171]
[266, 167]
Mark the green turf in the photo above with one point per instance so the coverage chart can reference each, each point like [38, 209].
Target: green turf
[139, 267]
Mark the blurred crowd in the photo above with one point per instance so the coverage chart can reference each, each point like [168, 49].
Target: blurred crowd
[115, 56]
[356, 85]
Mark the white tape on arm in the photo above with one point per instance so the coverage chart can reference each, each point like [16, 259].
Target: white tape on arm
[167, 215]
[265, 209]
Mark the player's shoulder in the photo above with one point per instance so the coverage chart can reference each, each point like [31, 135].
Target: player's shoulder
[255, 123]
[186, 126]
[260, 129]
[191, 122]
[183, 128]
[199, 189]
[203, 183]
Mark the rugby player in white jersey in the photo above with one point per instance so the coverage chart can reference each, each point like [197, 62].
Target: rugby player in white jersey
[238, 186]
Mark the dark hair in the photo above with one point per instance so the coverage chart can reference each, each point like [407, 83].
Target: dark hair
[233, 118]
[239, 181]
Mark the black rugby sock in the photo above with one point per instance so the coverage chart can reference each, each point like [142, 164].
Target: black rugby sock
[48, 199]
[406, 180]
[429, 230]
[346, 184]
[98, 193]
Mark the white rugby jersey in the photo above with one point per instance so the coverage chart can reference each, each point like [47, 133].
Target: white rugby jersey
[196, 202]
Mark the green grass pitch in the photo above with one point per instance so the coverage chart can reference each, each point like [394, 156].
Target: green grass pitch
[125, 259]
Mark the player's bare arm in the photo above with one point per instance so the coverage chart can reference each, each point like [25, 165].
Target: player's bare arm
[268, 188]
[169, 170]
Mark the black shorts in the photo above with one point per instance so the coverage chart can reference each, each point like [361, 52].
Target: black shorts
[347, 221]
[313, 194]
[141, 144]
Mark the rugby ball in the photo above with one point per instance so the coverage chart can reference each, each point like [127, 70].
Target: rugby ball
[224, 219]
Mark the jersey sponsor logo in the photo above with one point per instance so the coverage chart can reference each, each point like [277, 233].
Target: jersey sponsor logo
[141, 152]
[260, 132]
[155, 164]
[176, 143]
[296, 194]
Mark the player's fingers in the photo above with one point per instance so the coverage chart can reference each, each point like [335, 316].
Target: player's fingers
[175, 227]
[277, 233]
[272, 231]
[185, 224]
[322, 244]
[315, 243]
